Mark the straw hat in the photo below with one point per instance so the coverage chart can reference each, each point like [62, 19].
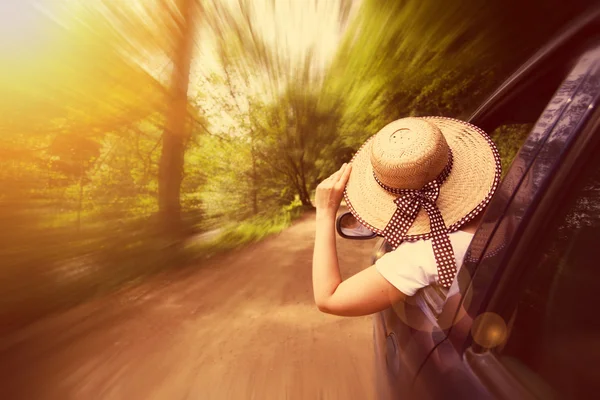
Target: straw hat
[406, 157]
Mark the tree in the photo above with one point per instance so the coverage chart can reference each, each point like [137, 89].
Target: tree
[175, 135]
[402, 58]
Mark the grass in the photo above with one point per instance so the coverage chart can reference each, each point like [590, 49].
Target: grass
[249, 231]
[48, 270]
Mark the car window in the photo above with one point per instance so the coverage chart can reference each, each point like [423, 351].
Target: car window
[553, 346]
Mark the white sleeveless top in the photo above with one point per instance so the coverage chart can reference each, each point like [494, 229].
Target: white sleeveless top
[412, 265]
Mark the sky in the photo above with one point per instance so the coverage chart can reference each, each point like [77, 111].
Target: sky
[291, 29]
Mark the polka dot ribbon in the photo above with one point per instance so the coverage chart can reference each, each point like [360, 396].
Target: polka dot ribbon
[408, 204]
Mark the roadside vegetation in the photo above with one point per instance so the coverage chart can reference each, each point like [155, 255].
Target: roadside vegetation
[132, 130]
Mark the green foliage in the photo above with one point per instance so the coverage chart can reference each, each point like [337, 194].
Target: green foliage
[406, 58]
[51, 268]
[508, 139]
[83, 122]
[250, 230]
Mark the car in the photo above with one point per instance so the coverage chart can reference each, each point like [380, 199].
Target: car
[519, 321]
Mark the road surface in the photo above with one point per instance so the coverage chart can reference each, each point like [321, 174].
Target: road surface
[244, 327]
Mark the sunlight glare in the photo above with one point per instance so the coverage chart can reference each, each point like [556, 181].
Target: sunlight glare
[19, 23]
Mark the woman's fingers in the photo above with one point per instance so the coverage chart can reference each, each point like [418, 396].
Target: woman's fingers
[337, 174]
[335, 177]
[346, 174]
[329, 192]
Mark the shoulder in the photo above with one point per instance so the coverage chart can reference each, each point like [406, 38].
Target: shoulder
[417, 251]
[407, 267]
[422, 250]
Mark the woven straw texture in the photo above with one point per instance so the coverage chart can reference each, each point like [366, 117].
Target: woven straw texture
[410, 152]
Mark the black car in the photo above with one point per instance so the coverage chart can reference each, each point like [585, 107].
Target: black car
[519, 321]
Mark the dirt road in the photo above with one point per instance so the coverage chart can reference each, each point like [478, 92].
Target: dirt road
[244, 327]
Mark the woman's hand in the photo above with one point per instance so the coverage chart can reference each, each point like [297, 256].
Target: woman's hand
[329, 192]
[364, 293]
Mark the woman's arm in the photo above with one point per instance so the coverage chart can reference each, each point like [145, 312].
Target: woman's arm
[364, 293]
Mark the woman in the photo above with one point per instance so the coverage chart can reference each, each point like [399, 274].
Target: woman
[420, 183]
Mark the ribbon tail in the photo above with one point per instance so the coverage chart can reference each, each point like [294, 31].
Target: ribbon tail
[404, 216]
[442, 247]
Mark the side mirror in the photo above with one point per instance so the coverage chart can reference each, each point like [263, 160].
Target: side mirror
[349, 228]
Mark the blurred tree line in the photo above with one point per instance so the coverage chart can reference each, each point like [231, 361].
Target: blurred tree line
[117, 144]
[418, 58]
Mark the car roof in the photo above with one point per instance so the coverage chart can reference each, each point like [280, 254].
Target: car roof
[524, 95]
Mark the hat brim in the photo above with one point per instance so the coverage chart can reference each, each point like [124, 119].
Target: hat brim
[474, 178]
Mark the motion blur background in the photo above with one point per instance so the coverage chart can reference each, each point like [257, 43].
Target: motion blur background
[143, 135]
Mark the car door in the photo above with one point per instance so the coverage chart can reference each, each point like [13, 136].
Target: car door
[516, 229]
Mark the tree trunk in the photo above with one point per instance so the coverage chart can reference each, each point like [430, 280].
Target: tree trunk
[303, 192]
[300, 185]
[304, 195]
[254, 181]
[175, 136]
[80, 202]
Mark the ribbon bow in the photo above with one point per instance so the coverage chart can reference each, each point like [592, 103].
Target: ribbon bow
[408, 205]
